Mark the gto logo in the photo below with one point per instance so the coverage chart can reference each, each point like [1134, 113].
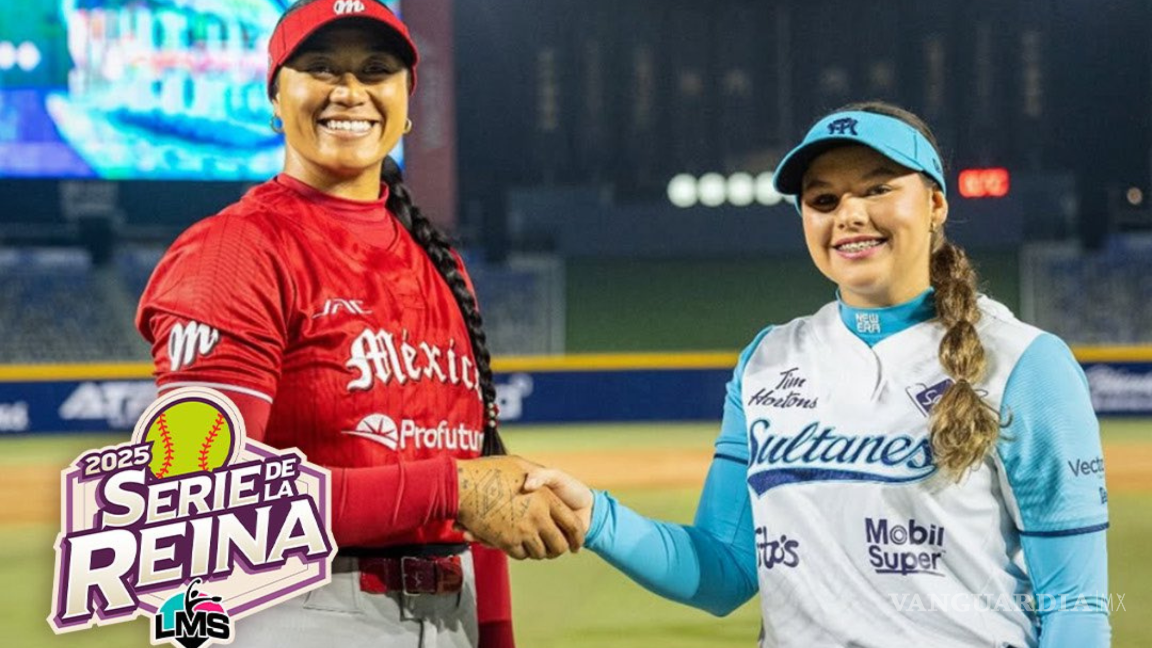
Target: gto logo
[348, 6]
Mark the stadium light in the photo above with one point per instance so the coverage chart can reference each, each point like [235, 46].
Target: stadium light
[682, 190]
[712, 189]
[27, 56]
[7, 55]
[984, 183]
[741, 189]
[766, 193]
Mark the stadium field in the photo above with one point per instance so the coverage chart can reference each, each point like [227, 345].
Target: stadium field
[572, 601]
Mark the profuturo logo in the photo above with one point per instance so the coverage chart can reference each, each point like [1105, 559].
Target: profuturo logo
[816, 454]
[380, 429]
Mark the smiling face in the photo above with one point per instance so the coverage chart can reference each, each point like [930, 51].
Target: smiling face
[343, 98]
[868, 225]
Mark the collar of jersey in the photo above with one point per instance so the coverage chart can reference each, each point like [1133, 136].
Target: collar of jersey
[873, 325]
[355, 211]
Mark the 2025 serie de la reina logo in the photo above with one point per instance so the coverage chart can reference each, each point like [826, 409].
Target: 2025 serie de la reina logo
[191, 523]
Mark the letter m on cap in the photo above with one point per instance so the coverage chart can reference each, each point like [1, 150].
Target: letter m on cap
[843, 126]
[348, 6]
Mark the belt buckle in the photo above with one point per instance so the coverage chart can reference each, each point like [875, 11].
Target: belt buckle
[412, 570]
[449, 575]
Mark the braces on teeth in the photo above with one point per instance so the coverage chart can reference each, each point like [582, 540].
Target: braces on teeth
[860, 245]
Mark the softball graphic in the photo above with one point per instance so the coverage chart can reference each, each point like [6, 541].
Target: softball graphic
[188, 436]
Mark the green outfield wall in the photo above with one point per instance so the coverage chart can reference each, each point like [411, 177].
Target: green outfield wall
[624, 305]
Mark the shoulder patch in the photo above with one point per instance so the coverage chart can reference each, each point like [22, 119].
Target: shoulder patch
[190, 341]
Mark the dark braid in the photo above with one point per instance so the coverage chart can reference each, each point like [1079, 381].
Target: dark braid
[439, 250]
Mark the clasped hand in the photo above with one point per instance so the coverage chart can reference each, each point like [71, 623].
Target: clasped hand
[543, 520]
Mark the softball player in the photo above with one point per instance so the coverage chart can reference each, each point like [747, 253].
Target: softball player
[909, 466]
[341, 322]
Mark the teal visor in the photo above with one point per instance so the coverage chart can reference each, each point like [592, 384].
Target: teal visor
[889, 136]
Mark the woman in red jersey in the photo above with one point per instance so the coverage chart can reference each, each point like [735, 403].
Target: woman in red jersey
[342, 323]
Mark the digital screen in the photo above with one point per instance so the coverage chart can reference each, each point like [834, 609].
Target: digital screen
[138, 90]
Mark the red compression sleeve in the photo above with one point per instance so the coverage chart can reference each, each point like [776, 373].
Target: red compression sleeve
[369, 505]
[493, 597]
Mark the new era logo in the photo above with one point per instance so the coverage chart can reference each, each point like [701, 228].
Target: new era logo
[348, 6]
[843, 126]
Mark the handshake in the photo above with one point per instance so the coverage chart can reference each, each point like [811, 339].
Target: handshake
[521, 508]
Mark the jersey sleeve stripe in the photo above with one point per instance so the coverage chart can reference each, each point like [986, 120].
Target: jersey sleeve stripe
[736, 460]
[222, 386]
[1067, 532]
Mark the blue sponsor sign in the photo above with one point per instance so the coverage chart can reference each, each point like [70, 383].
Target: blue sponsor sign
[1120, 388]
[617, 395]
[73, 405]
[530, 396]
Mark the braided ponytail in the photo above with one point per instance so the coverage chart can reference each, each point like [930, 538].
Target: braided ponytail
[964, 428]
[439, 250]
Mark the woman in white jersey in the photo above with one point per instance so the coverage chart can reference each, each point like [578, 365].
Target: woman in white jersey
[909, 466]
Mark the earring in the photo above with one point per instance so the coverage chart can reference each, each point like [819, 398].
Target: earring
[276, 124]
[407, 126]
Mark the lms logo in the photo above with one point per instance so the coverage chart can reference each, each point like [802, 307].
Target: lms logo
[191, 619]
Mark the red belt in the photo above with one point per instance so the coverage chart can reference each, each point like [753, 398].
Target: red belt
[411, 575]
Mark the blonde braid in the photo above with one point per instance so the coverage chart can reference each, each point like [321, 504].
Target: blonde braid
[963, 427]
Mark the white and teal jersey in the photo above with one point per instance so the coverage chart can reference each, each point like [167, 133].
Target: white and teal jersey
[849, 507]
[825, 498]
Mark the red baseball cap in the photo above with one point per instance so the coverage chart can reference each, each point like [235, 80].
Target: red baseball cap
[298, 24]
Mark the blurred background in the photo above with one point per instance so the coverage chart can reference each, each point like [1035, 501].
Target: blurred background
[606, 168]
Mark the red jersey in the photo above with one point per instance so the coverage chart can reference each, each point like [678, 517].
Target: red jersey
[330, 311]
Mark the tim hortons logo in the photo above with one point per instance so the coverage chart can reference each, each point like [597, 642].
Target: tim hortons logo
[788, 391]
[382, 356]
